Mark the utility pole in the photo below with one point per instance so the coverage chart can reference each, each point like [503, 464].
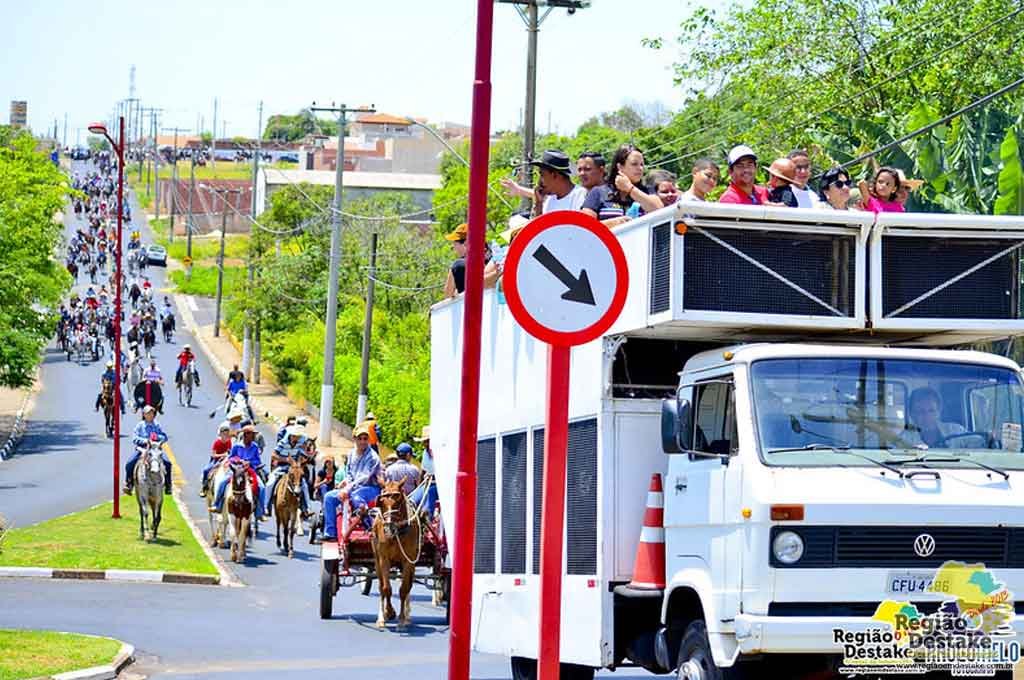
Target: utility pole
[247, 333]
[65, 142]
[213, 147]
[223, 193]
[327, 388]
[533, 20]
[188, 228]
[174, 178]
[364, 376]
[156, 165]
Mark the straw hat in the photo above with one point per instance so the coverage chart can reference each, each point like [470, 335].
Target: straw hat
[424, 436]
[912, 184]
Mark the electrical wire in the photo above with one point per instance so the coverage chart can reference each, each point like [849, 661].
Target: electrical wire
[405, 288]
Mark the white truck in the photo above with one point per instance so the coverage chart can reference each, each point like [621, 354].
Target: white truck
[791, 374]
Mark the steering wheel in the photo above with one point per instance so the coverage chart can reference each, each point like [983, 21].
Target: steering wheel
[986, 437]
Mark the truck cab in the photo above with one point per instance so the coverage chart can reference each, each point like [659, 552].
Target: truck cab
[830, 450]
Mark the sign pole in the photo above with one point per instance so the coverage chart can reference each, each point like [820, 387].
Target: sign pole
[556, 441]
[465, 480]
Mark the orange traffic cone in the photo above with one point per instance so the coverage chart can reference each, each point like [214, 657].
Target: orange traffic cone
[649, 567]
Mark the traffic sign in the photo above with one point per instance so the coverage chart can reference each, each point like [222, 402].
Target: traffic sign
[565, 282]
[187, 261]
[565, 278]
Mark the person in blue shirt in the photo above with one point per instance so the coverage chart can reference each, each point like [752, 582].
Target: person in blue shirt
[141, 437]
[248, 451]
[291, 448]
[361, 483]
[108, 375]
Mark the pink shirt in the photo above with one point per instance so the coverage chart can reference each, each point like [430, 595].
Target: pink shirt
[736, 195]
[877, 205]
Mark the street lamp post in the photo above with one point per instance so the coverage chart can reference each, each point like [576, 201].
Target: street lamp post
[100, 129]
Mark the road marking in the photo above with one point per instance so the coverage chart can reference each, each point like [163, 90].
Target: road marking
[246, 666]
[179, 476]
[191, 302]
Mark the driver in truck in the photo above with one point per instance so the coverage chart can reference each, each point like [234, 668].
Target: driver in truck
[925, 408]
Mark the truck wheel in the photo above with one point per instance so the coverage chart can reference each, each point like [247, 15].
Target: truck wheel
[695, 661]
[328, 586]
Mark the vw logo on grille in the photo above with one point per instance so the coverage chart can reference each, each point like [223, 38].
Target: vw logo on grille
[924, 545]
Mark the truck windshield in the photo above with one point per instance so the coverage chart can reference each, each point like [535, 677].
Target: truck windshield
[836, 411]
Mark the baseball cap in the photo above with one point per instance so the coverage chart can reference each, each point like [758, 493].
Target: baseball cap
[403, 449]
[461, 233]
[740, 151]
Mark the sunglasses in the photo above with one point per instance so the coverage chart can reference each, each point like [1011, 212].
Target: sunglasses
[841, 183]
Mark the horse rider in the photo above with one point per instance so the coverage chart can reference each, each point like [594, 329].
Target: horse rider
[153, 372]
[235, 384]
[184, 358]
[249, 452]
[403, 471]
[108, 376]
[291, 448]
[291, 421]
[134, 293]
[429, 487]
[361, 484]
[141, 437]
[218, 452]
[374, 431]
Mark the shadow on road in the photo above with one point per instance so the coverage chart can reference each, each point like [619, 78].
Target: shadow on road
[46, 437]
[422, 626]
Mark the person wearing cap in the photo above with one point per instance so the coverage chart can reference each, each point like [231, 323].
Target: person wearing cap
[429, 487]
[781, 177]
[609, 202]
[291, 420]
[247, 451]
[742, 173]
[403, 471]
[108, 376]
[144, 432]
[805, 196]
[184, 357]
[555, 190]
[291, 448]
[361, 483]
[218, 452]
[456, 281]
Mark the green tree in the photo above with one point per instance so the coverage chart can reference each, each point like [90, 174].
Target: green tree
[32, 282]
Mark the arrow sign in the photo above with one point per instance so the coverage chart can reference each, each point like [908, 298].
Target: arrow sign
[579, 288]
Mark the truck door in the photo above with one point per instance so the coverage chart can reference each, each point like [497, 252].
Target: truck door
[695, 491]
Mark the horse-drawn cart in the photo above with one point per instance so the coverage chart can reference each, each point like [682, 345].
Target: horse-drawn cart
[351, 561]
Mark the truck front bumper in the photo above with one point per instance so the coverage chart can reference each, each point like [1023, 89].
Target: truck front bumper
[806, 634]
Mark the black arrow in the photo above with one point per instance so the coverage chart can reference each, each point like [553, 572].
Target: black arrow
[579, 288]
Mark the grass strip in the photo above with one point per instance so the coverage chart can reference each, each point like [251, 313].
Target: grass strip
[31, 653]
[92, 540]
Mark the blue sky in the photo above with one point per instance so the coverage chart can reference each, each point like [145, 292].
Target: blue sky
[404, 56]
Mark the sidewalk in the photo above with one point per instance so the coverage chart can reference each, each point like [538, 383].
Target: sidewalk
[14, 407]
[266, 397]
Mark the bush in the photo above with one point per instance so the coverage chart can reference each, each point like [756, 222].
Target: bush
[204, 281]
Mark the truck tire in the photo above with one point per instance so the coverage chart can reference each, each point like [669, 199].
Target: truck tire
[695, 661]
[526, 669]
[328, 586]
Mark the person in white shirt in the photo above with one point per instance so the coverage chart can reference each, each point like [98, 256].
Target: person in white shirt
[555, 191]
[805, 196]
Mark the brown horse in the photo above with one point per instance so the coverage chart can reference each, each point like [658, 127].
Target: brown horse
[397, 540]
[240, 506]
[286, 506]
[107, 403]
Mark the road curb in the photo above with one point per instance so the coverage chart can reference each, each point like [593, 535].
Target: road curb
[124, 575]
[20, 422]
[125, 656]
[225, 578]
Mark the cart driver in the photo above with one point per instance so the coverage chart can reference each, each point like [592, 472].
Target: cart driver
[361, 483]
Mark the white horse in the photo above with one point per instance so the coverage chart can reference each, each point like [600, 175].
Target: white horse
[219, 521]
[149, 488]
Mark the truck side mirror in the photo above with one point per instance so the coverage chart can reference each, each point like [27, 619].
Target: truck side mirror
[675, 419]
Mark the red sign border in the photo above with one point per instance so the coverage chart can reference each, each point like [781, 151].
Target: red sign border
[511, 289]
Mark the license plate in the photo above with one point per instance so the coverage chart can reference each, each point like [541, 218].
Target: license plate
[329, 551]
[916, 583]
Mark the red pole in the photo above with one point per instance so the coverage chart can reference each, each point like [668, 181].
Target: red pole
[118, 283]
[556, 441]
[465, 481]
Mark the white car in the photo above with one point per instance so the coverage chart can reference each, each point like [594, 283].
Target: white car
[156, 254]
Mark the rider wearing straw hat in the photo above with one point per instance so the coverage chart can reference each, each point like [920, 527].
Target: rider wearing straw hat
[144, 431]
[361, 483]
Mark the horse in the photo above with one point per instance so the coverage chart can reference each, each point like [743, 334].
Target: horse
[286, 506]
[149, 488]
[107, 402]
[218, 520]
[167, 325]
[239, 504]
[148, 339]
[185, 384]
[397, 539]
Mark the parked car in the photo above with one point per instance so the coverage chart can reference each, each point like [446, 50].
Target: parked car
[289, 158]
[156, 254]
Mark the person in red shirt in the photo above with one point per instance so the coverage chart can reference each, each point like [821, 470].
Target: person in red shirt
[218, 453]
[742, 170]
[184, 357]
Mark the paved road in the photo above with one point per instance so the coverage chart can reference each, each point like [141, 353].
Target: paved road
[269, 629]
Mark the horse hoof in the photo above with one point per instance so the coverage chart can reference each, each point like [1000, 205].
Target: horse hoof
[291, 554]
[380, 625]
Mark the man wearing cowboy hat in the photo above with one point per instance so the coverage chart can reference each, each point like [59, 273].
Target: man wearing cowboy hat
[184, 357]
[555, 191]
[145, 430]
[108, 375]
[291, 448]
[361, 483]
[248, 451]
[429, 489]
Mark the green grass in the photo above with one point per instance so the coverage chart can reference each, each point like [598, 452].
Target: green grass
[224, 170]
[204, 281]
[203, 248]
[92, 540]
[32, 653]
[141, 190]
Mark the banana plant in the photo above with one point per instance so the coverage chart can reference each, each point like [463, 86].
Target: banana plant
[1011, 175]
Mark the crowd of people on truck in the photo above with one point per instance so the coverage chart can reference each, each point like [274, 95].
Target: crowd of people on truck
[618, 191]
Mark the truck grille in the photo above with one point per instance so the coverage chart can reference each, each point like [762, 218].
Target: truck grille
[876, 546]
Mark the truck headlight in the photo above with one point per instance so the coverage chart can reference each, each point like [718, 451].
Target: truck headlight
[788, 547]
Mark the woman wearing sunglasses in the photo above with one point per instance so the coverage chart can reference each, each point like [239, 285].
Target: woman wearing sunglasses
[835, 188]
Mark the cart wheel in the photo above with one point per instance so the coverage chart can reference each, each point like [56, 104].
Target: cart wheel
[368, 584]
[328, 586]
[314, 526]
